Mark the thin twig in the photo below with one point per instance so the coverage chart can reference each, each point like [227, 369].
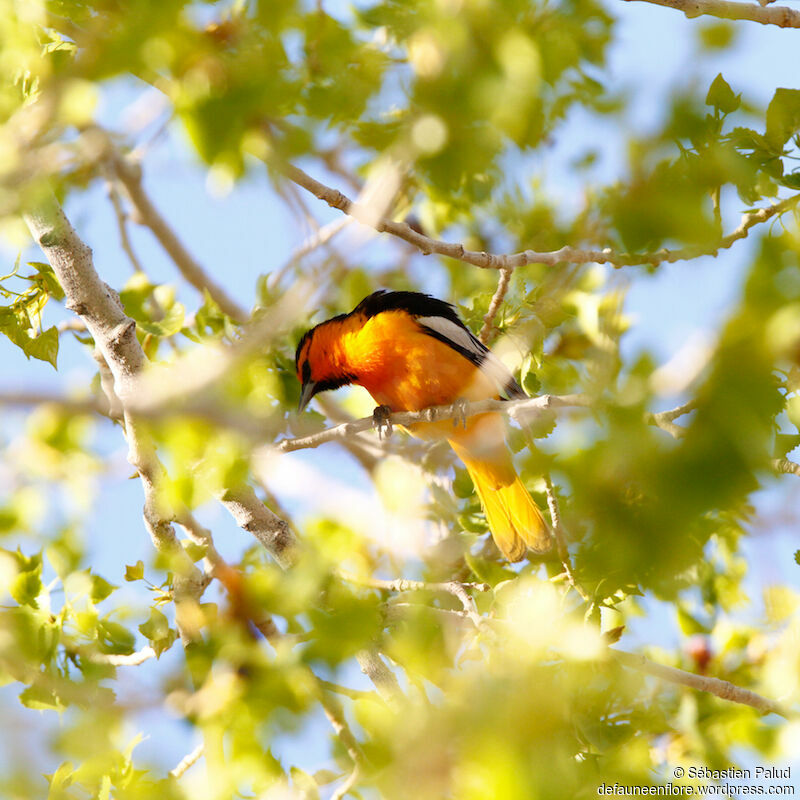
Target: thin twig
[455, 588]
[426, 245]
[781, 16]
[346, 691]
[405, 585]
[715, 686]
[316, 240]
[348, 784]
[187, 761]
[494, 306]
[130, 176]
[561, 542]
[665, 419]
[129, 660]
[122, 225]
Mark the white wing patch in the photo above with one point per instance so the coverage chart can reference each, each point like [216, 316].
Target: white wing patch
[489, 363]
[455, 333]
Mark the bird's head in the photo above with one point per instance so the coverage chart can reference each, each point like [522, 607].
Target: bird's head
[319, 360]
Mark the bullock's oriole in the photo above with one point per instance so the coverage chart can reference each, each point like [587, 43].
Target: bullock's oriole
[411, 351]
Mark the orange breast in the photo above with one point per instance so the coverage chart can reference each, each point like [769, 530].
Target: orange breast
[408, 370]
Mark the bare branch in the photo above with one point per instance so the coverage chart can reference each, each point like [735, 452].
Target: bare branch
[494, 305]
[382, 677]
[254, 517]
[187, 761]
[455, 588]
[510, 261]
[348, 784]
[130, 176]
[346, 691]
[715, 686]
[122, 224]
[781, 16]
[129, 660]
[665, 419]
[405, 585]
[516, 409]
[561, 542]
[115, 339]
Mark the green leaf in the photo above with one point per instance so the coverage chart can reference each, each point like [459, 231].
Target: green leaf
[135, 572]
[40, 699]
[101, 588]
[115, 638]
[783, 117]
[689, 624]
[721, 96]
[170, 324]
[462, 484]
[195, 551]
[304, 784]
[61, 778]
[158, 631]
[25, 588]
[791, 181]
[47, 279]
[44, 346]
[785, 443]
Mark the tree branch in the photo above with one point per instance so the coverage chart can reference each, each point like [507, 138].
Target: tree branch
[781, 16]
[455, 588]
[511, 261]
[715, 686]
[516, 409]
[561, 542]
[253, 516]
[382, 677]
[494, 305]
[130, 176]
[665, 419]
[187, 761]
[129, 660]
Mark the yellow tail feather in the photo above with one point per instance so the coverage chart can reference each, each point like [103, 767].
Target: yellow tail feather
[514, 519]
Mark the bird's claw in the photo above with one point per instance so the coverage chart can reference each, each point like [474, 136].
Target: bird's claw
[382, 422]
[460, 405]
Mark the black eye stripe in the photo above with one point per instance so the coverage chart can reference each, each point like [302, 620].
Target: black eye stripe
[306, 371]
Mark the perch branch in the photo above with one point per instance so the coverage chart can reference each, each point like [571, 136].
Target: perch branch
[513, 408]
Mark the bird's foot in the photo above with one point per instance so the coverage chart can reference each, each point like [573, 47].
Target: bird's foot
[382, 422]
[460, 406]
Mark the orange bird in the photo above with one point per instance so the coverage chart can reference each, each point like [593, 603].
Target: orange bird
[411, 351]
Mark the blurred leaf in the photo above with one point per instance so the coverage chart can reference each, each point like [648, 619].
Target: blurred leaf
[135, 572]
[783, 117]
[721, 96]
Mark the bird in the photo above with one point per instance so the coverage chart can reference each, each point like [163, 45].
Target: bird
[410, 351]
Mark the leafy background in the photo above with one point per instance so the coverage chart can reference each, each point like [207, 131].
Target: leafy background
[503, 126]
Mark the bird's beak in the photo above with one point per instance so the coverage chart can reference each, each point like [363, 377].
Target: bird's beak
[309, 390]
